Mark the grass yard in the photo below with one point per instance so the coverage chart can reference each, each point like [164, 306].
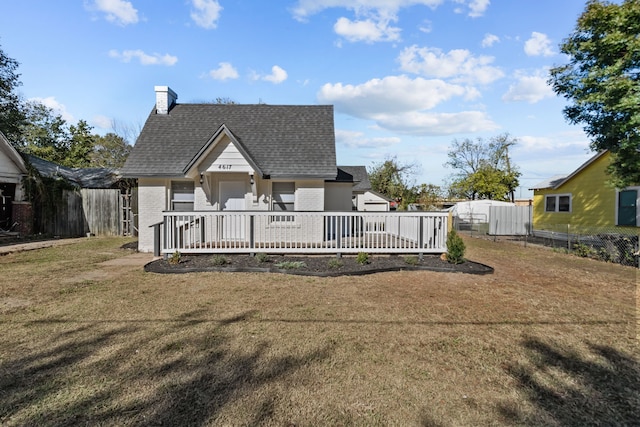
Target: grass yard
[549, 339]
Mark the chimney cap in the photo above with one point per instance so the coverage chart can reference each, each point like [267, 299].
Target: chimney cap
[165, 89]
[165, 99]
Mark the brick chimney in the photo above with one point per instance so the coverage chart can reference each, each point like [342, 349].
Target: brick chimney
[165, 99]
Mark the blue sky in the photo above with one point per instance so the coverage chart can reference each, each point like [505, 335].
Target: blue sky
[406, 77]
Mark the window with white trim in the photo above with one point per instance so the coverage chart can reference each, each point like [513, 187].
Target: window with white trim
[627, 207]
[283, 197]
[182, 196]
[557, 203]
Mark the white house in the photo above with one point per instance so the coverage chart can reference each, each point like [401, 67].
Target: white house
[12, 172]
[231, 157]
[364, 199]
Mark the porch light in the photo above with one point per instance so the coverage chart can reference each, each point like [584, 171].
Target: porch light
[251, 181]
[201, 177]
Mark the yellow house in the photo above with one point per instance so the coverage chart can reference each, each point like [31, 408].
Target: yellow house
[583, 200]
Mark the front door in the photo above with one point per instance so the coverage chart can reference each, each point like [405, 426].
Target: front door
[232, 198]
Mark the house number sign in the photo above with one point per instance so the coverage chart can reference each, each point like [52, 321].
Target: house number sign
[224, 167]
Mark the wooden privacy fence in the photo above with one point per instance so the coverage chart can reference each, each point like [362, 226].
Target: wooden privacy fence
[100, 212]
[302, 232]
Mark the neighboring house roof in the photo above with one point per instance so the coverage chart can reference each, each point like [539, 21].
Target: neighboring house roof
[12, 154]
[557, 181]
[80, 177]
[358, 175]
[282, 141]
[552, 182]
[380, 195]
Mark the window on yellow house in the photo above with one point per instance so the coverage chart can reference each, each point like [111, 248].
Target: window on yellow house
[557, 203]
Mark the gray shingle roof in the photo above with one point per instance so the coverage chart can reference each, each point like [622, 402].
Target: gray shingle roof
[80, 177]
[552, 182]
[359, 176]
[283, 140]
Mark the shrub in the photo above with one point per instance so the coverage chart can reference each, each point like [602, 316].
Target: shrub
[582, 250]
[363, 258]
[455, 248]
[262, 257]
[335, 263]
[290, 265]
[411, 260]
[219, 260]
[175, 258]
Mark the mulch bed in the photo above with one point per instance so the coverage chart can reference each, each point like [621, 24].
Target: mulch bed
[324, 266]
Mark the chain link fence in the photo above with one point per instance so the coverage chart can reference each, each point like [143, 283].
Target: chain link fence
[610, 244]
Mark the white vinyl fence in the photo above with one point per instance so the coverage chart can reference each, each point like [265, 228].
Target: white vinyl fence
[510, 220]
[302, 232]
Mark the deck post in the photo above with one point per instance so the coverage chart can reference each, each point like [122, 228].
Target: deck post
[251, 234]
[420, 236]
[156, 238]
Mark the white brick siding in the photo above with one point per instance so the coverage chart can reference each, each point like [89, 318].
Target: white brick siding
[309, 195]
[152, 200]
[337, 197]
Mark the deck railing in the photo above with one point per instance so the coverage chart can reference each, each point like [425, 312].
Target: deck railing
[303, 232]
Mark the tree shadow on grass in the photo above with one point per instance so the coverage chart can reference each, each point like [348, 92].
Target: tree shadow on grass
[158, 372]
[576, 389]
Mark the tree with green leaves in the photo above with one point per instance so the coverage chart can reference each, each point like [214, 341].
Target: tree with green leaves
[47, 135]
[38, 130]
[392, 179]
[44, 134]
[110, 150]
[483, 169]
[80, 146]
[11, 114]
[429, 196]
[602, 82]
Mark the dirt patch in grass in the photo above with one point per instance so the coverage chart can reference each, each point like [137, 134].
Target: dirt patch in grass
[325, 266]
[547, 339]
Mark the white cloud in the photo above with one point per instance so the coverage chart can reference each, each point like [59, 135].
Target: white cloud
[305, 8]
[278, 75]
[225, 71]
[398, 102]
[459, 64]
[58, 108]
[432, 124]
[372, 17]
[102, 122]
[489, 40]
[366, 31]
[572, 141]
[354, 139]
[538, 45]
[540, 157]
[205, 13]
[477, 8]
[426, 27]
[529, 88]
[392, 94]
[144, 58]
[120, 12]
